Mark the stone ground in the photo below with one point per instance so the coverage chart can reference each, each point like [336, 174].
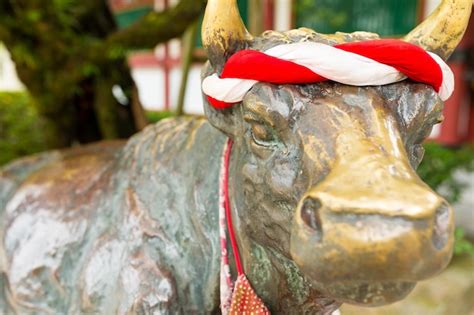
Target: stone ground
[449, 293]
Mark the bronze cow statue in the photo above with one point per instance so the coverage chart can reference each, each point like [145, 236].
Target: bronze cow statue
[326, 204]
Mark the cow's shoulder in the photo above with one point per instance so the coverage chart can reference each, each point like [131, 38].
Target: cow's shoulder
[170, 140]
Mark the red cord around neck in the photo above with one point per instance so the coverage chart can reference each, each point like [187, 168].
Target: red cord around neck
[233, 241]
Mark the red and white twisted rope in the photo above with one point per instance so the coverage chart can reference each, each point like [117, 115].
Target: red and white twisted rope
[367, 63]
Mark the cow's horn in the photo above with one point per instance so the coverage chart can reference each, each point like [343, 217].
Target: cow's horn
[442, 31]
[223, 32]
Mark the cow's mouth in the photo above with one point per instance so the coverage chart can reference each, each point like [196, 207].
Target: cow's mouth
[367, 293]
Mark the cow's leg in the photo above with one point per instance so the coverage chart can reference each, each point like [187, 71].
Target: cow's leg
[122, 279]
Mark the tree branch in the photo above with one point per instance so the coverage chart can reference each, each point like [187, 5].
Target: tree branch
[156, 27]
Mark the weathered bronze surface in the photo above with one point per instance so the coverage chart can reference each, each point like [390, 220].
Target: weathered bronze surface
[326, 203]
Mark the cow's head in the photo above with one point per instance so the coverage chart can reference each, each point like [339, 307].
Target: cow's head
[324, 173]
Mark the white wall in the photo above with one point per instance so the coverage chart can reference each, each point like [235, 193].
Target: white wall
[282, 14]
[430, 5]
[151, 88]
[8, 78]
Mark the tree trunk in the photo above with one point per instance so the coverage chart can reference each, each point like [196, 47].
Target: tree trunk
[138, 112]
[189, 39]
[256, 25]
[57, 133]
[105, 109]
[69, 56]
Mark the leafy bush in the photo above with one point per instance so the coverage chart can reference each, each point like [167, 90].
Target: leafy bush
[439, 165]
[437, 170]
[21, 131]
[461, 244]
[153, 116]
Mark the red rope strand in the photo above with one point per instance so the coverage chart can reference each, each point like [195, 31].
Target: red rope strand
[233, 242]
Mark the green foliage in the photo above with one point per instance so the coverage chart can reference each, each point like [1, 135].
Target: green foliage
[462, 246]
[387, 18]
[437, 170]
[439, 165]
[154, 117]
[21, 131]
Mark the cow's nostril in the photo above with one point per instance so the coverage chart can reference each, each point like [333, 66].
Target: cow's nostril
[441, 230]
[310, 215]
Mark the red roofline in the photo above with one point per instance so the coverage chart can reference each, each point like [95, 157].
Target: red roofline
[149, 60]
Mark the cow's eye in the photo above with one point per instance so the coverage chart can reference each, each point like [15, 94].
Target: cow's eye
[262, 135]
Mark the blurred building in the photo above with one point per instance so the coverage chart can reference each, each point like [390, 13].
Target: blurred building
[458, 124]
[158, 73]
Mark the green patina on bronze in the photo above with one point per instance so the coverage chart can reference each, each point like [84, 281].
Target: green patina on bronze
[326, 205]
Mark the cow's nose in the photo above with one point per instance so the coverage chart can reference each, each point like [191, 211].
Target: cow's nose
[311, 208]
[393, 238]
[310, 216]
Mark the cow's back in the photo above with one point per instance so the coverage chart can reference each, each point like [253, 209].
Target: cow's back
[110, 227]
[45, 202]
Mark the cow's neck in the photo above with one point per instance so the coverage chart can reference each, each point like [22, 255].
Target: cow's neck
[274, 276]
[174, 174]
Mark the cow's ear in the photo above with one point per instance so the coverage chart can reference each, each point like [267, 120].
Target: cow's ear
[223, 34]
[226, 120]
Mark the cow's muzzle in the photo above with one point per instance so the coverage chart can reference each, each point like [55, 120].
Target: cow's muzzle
[367, 238]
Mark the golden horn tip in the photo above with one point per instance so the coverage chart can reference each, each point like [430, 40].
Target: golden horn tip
[223, 31]
[442, 31]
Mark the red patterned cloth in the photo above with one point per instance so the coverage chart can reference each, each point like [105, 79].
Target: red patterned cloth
[244, 299]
